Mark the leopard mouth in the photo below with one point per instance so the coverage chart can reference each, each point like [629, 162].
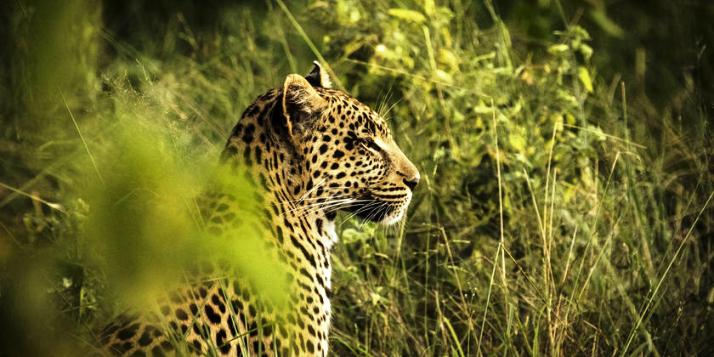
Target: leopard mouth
[376, 210]
[372, 210]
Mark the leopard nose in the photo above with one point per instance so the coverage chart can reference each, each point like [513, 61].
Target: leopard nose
[411, 182]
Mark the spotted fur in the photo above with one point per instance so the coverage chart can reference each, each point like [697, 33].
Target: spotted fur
[314, 151]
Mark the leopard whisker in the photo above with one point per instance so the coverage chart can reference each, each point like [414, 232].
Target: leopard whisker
[371, 204]
[317, 205]
[333, 204]
[313, 189]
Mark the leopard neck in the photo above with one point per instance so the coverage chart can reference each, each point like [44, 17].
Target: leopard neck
[258, 141]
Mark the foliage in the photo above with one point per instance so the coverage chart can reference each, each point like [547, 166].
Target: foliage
[555, 215]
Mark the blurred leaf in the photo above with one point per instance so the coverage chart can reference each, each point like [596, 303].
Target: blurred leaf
[406, 14]
[584, 76]
[600, 17]
[558, 48]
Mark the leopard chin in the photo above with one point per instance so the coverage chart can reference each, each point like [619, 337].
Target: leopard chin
[396, 217]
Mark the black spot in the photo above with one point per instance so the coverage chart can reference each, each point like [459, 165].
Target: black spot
[157, 352]
[280, 235]
[251, 111]
[287, 223]
[181, 314]
[267, 330]
[370, 126]
[232, 326]
[197, 347]
[318, 223]
[237, 305]
[221, 341]
[310, 258]
[248, 133]
[304, 272]
[257, 346]
[258, 154]
[167, 346]
[250, 128]
[242, 318]
[246, 155]
[121, 348]
[211, 314]
[253, 329]
[310, 347]
[145, 339]
[216, 300]
[338, 154]
[128, 332]
[282, 331]
[237, 129]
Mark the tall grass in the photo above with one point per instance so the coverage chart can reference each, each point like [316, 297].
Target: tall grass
[555, 215]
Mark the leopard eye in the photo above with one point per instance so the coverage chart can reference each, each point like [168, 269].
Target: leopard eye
[371, 144]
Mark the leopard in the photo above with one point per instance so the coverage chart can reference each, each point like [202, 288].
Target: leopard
[314, 151]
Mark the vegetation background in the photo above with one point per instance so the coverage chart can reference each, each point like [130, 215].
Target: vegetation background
[565, 149]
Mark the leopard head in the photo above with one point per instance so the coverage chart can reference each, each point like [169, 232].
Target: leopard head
[351, 162]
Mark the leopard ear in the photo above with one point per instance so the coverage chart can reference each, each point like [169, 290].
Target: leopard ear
[318, 76]
[300, 102]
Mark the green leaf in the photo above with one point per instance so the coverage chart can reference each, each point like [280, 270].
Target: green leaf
[557, 49]
[406, 14]
[584, 76]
